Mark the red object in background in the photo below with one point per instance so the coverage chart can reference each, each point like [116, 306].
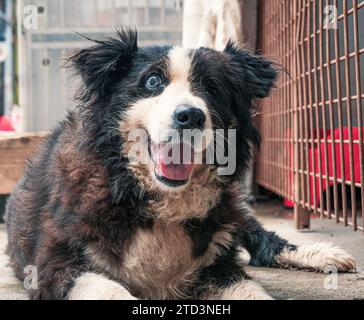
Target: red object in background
[5, 124]
[334, 137]
[314, 158]
[288, 204]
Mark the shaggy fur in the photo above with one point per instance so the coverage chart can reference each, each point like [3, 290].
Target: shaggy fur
[98, 226]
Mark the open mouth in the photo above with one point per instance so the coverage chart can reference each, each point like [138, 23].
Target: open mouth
[173, 163]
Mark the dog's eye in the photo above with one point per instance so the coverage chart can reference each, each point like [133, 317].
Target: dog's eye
[153, 82]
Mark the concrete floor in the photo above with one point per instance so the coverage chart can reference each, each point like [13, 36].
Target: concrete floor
[10, 288]
[281, 284]
[297, 284]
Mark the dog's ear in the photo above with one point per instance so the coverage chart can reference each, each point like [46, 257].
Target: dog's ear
[256, 73]
[106, 61]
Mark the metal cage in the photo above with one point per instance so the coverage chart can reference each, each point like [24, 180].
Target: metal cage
[312, 126]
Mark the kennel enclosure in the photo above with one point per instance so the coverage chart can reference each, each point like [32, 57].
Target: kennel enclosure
[312, 125]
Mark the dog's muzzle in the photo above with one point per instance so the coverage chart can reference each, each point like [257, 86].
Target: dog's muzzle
[174, 160]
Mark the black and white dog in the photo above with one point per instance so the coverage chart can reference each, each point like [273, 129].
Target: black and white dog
[98, 224]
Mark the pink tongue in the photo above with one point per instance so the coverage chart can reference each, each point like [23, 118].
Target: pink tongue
[177, 172]
[169, 170]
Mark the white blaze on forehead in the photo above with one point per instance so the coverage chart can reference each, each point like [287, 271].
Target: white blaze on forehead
[180, 64]
[177, 93]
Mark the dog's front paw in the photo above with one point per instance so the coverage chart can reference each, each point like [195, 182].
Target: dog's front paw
[323, 257]
[337, 259]
[244, 290]
[92, 286]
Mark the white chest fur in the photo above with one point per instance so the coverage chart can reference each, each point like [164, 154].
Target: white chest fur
[159, 263]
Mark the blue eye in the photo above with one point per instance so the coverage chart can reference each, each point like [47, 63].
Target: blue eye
[153, 82]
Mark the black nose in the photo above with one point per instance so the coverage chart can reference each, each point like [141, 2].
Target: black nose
[188, 117]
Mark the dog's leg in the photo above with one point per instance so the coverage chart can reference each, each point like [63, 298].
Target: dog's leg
[63, 273]
[226, 279]
[322, 256]
[243, 290]
[86, 286]
[269, 250]
[92, 286]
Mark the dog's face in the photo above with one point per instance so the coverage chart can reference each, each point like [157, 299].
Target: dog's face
[166, 92]
[163, 103]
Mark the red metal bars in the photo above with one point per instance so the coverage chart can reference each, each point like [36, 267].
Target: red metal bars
[312, 126]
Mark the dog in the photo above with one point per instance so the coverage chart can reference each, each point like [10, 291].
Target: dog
[97, 223]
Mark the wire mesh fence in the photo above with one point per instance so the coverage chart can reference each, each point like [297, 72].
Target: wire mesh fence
[312, 126]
